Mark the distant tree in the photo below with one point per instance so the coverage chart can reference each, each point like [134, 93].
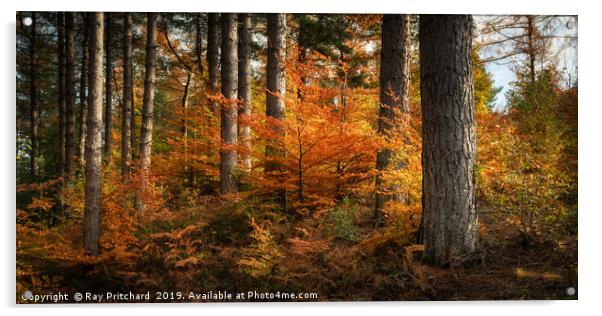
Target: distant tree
[33, 96]
[69, 93]
[108, 115]
[525, 40]
[83, 107]
[61, 93]
[128, 95]
[92, 210]
[449, 222]
[244, 84]
[213, 55]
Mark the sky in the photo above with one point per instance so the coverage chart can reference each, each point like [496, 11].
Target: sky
[564, 56]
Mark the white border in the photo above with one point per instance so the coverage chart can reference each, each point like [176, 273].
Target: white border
[590, 114]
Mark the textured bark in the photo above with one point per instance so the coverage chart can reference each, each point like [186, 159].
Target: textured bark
[127, 95]
[146, 131]
[83, 107]
[69, 94]
[33, 97]
[199, 44]
[276, 83]
[92, 211]
[108, 116]
[229, 111]
[244, 84]
[449, 223]
[394, 86]
[213, 55]
[61, 93]
[275, 94]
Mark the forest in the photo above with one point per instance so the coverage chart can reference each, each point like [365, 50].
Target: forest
[300, 157]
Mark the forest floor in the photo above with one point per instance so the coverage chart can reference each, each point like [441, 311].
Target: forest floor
[217, 247]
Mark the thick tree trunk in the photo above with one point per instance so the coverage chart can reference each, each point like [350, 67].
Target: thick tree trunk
[244, 85]
[92, 211]
[276, 92]
[146, 131]
[229, 108]
[33, 97]
[213, 56]
[449, 223]
[61, 92]
[394, 86]
[127, 95]
[69, 94]
[108, 116]
[83, 108]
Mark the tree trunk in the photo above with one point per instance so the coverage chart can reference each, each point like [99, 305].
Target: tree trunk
[146, 131]
[276, 92]
[199, 44]
[229, 108]
[531, 48]
[449, 222]
[213, 56]
[244, 85]
[108, 123]
[69, 93]
[127, 95]
[82, 91]
[394, 86]
[92, 211]
[33, 97]
[61, 92]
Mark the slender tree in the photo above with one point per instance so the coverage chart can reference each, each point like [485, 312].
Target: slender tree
[146, 131]
[69, 93]
[229, 112]
[33, 97]
[92, 211]
[108, 116]
[83, 107]
[213, 55]
[61, 93]
[449, 222]
[199, 43]
[244, 84]
[275, 93]
[127, 95]
[394, 86]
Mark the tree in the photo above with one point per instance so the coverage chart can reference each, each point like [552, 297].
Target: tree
[525, 40]
[394, 86]
[33, 97]
[92, 210]
[199, 43]
[69, 93]
[128, 94]
[229, 108]
[146, 131]
[449, 222]
[213, 55]
[244, 84]
[61, 93]
[83, 108]
[276, 92]
[108, 88]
